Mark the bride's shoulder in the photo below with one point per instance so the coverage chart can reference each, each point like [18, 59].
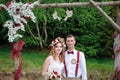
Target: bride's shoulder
[50, 57]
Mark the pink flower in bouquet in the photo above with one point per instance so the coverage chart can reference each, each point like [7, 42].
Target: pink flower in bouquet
[56, 73]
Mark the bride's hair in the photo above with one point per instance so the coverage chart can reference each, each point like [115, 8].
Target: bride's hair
[53, 46]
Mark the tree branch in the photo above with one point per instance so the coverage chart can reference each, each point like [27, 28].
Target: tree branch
[32, 34]
[116, 26]
[77, 4]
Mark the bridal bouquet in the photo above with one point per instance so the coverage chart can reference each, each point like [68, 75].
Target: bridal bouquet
[54, 75]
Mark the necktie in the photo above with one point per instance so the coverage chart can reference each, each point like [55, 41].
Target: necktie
[70, 52]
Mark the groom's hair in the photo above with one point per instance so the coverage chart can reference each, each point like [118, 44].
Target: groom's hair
[70, 35]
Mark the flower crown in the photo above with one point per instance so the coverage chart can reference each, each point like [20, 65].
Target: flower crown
[55, 41]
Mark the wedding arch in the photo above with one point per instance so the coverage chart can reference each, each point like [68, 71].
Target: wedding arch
[21, 17]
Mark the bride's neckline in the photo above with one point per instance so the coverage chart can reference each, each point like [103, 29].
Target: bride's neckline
[56, 61]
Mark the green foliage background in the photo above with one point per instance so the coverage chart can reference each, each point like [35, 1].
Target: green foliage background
[91, 29]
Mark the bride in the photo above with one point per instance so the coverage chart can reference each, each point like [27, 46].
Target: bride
[53, 65]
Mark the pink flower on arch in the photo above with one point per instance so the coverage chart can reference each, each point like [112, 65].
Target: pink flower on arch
[118, 50]
[113, 35]
[8, 4]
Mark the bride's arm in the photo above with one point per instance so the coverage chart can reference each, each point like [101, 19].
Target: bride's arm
[46, 66]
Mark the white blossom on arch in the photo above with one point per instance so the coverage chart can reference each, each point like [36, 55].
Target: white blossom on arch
[69, 14]
[55, 16]
[20, 13]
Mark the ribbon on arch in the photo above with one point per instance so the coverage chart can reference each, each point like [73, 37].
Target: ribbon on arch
[16, 56]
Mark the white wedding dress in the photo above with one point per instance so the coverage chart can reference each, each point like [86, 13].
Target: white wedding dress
[55, 66]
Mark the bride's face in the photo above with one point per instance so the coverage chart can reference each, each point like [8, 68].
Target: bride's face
[58, 48]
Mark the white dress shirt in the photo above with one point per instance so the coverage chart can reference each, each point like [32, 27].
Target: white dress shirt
[72, 67]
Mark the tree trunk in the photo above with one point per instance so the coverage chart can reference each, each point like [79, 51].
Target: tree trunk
[44, 29]
[38, 36]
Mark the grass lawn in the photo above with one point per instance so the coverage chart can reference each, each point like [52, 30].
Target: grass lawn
[33, 61]
[100, 68]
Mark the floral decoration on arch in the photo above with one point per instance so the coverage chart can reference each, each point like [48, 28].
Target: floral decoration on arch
[69, 14]
[20, 13]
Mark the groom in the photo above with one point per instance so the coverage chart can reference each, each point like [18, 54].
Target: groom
[74, 64]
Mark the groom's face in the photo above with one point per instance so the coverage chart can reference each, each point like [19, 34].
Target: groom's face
[70, 41]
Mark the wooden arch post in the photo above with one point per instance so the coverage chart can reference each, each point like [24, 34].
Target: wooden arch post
[116, 47]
